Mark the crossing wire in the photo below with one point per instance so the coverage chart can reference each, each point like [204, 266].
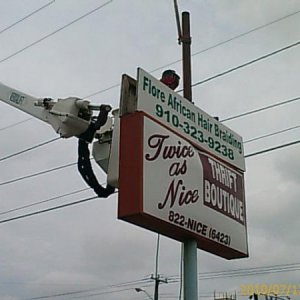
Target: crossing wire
[261, 109]
[55, 31]
[201, 276]
[44, 201]
[224, 120]
[15, 124]
[30, 148]
[223, 73]
[49, 209]
[243, 272]
[272, 148]
[27, 16]
[74, 163]
[205, 49]
[246, 64]
[38, 173]
[92, 198]
[271, 134]
[196, 53]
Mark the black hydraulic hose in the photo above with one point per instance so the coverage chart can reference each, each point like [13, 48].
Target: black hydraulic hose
[84, 164]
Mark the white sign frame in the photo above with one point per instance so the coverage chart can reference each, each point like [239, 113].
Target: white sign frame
[145, 180]
[182, 116]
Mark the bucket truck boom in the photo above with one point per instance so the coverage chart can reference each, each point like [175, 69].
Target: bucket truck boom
[69, 117]
[72, 117]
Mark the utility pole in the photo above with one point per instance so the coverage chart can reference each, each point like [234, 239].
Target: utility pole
[190, 246]
[157, 277]
[190, 282]
[186, 56]
[157, 280]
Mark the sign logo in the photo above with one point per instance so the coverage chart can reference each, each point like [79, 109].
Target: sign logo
[177, 155]
[181, 171]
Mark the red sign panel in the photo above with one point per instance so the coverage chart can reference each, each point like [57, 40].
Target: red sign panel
[169, 186]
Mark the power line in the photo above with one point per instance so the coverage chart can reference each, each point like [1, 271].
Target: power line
[247, 64]
[74, 163]
[15, 124]
[55, 31]
[43, 201]
[224, 120]
[243, 272]
[101, 291]
[231, 39]
[29, 149]
[59, 295]
[104, 90]
[272, 149]
[27, 16]
[196, 53]
[37, 174]
[80, 201]
[271, 134]
[205, 49]
[261, 109]
[201, 276]
[48, 209]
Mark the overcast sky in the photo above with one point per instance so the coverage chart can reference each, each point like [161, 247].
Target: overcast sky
[84, 248]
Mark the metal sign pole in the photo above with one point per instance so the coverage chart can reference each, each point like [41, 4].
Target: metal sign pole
[190, 246]
[190, 283]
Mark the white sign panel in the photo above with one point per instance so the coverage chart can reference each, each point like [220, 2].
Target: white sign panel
[179, 114]
[192, 190]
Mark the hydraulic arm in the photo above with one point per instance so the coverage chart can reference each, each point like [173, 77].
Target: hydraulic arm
[72, 117]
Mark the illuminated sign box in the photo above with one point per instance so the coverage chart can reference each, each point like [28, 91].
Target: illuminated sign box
[186, 119]
[168, 185]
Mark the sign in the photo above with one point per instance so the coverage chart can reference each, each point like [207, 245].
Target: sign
[169, 186]
[182, 116]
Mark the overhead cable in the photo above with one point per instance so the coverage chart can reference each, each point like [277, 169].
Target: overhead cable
[243, 272]
[247, 63]
[15, 124]
[55, 31]
[29, 149]
[102, 290]
[73, 164]
[224, 120]
[205, 49]
[219, 74]
[38, 174]
[261, 109]
[201, 276]
[27, 16]
[271, 134]
[43, 201]
[272, 149]
[48, 209]
[230, 39]
[196, 53]
[69, 204]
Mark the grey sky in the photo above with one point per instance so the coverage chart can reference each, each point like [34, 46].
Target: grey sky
[85, 247]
